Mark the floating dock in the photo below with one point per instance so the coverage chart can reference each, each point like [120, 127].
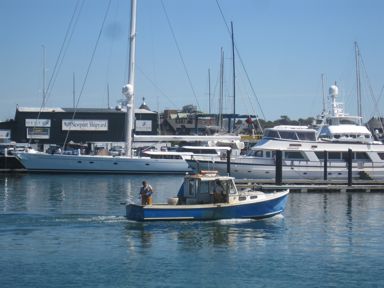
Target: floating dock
[315, 186]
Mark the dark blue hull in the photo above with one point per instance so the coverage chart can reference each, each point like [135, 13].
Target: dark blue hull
[255, 209]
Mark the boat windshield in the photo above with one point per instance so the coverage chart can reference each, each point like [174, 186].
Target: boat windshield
[343, 120]
[307, 135]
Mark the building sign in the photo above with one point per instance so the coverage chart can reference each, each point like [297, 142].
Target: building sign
[84, 125]
[5, 134]
[143, 125]
[37, 133]
[37, 122]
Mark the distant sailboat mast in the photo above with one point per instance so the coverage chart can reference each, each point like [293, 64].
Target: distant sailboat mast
[358, 83]
[128, 90]
[44, 70]
[323, 93]
[221, 92]
[73, 90]
[209, 91]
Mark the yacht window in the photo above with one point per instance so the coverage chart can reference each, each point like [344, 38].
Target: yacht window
[268, 154]
[381, 155]
[288, 135]
[336, 136]
[362, 156]
[347, 121]
[198, 151]
[320, 155]
[271, 134]
[255, 153]
[294, 155]
[306, 136]
[325, 136]
[334, 155]
[345, 156]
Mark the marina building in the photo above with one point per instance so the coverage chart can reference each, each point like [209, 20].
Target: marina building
[49, 126]
[43, 127]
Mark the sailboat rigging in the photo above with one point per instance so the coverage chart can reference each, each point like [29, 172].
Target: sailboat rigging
[43, 162]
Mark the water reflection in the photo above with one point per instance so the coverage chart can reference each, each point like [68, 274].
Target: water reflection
[75, 193]
[196, 234]
[337, 221]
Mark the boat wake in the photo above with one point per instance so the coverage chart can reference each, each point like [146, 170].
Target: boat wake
[104, 219]
[234, 221]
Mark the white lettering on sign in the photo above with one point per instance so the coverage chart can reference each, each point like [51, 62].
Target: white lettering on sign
[37, 122]
[85, 125]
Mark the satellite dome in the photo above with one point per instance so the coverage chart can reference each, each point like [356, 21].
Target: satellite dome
[127, 90]
[333, 90]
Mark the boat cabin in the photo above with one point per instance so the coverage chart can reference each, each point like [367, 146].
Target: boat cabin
[346, 131]
[291, 132]
[207, 187]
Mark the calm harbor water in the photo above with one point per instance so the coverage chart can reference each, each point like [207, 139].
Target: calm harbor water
[70, 231]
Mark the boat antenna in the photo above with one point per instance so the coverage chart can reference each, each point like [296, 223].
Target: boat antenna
[128, 90]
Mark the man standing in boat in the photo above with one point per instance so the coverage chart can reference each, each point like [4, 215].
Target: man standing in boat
[146, 192]
[218, 194]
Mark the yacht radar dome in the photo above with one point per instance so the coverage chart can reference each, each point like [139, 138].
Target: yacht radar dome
[127, 90]
[333, 90]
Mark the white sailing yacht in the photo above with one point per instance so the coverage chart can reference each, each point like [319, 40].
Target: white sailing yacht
[43, 162]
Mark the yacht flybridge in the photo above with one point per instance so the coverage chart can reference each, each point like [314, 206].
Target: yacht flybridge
[338, 126]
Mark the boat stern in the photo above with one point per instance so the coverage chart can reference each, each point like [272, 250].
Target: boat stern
[134, 212]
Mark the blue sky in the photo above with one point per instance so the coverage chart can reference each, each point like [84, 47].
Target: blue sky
[285, 47]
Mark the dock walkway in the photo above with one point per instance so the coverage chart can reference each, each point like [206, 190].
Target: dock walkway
[314, 186]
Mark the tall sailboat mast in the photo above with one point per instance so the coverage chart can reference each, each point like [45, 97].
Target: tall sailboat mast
[233, 79]
[128, 90]
[358, 83]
